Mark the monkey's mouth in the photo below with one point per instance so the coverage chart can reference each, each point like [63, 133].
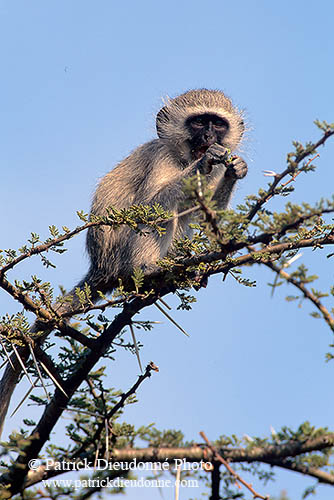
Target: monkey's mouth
[201, 151]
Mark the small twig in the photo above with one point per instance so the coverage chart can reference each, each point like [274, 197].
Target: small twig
[299, 171]
[97, 454]
[106, 426]
[23, 399]
[149, 368]
[219, 458]
[181, 214]
[23, 298]
[44, 358]
[210, 216]
[68, 330]
[53, 378]
[100, 307]
[276, 248]
[307, 294]
[22, 364]
[171, 319]
[304, 218]
[38, 370]
[287, 264]
[165, 304]
[278, 177]
[5, 362]
[92, 389]
[7, 356]
[177, 482]
[79, 410]
[136, 347]
[321, 475]
[96, 436]
[45, 246]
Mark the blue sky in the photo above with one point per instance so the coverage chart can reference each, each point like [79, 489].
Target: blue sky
[80, 84]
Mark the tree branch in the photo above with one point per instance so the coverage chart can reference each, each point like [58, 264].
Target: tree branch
[321, 475]
[289, 170]
[217, 456]
[275, 455]
[307, 294]
[151, 366]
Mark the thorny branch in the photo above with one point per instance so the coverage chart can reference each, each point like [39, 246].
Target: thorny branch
[149, 368]
[24, 299]
[276, 455]
[52, 243]
[217, 457]
[256, 256]
[291, 169]
[46, 246]
[307, 294]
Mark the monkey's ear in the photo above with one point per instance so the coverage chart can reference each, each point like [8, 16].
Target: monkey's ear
[161, 121]
[242, 127]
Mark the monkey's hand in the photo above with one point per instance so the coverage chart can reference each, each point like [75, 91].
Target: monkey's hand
[236, 169]
[214, 155]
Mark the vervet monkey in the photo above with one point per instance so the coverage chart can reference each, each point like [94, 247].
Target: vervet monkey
[194, 131]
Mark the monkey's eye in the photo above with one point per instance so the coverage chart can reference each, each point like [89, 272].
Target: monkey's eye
[220, 124]
[197, 123]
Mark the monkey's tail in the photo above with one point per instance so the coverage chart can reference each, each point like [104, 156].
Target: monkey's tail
[71, 301]
[9, 381]
[13, 369]
[95, 281]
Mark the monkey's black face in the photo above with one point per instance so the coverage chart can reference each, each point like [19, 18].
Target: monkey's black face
[205, 130]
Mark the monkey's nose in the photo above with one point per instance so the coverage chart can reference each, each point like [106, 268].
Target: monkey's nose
[209, 138]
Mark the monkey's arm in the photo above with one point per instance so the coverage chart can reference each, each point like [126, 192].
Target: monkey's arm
[165, 180]
[223, 190]
[222, 174]
[165, 186]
